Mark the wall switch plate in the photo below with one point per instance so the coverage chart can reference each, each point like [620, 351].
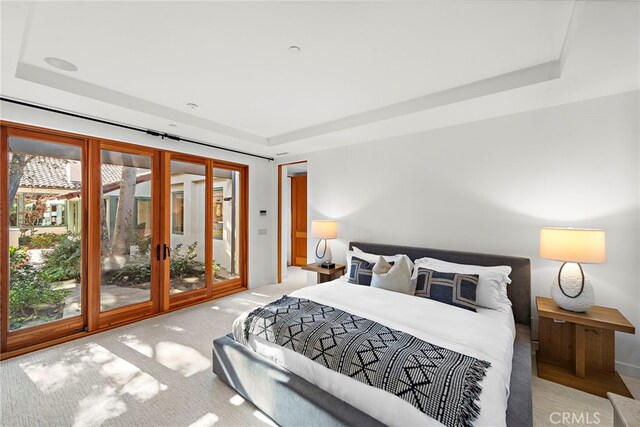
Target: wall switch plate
[262, 231]
[263, 213]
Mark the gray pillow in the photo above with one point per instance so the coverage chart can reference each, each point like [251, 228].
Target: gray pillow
[395, 277]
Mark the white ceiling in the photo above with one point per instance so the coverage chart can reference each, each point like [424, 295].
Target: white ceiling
[368, 70]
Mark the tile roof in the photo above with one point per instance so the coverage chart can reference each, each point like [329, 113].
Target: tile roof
[50, 172]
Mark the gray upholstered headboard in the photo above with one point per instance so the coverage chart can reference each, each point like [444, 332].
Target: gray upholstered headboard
[519, 290]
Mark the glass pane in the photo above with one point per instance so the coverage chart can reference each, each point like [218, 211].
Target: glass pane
[186, 268]
[45, 246]
[226, 223]
[126, 216]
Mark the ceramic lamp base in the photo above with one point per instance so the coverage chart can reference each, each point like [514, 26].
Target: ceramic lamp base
[322, 255]
[571, 278]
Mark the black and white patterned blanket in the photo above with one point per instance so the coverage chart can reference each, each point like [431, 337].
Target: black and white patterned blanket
[439, 382]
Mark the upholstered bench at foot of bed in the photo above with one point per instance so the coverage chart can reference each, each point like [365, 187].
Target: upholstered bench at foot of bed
[288, 399]
[292, 401]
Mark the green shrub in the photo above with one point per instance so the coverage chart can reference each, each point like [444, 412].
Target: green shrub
[216, 268]
[137, 271]
[185, 264]
[30, 296]
[63, 262]
[45, 240]
[142, 243]
[24, 240]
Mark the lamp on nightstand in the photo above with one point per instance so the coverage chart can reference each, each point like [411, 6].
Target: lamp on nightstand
[323, 230]
[571, 289]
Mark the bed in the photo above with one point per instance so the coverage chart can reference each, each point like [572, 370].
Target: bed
[317, 397]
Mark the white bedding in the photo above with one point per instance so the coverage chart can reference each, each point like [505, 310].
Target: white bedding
[487, 335]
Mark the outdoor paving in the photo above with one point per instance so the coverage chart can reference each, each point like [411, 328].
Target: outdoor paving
[111, 296]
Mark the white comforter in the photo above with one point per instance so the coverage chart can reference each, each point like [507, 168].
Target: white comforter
[475, 334]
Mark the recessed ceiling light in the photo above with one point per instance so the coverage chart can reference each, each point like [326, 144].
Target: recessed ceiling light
[294, 50]
[192, 106]
[173, 125]
[60, 64]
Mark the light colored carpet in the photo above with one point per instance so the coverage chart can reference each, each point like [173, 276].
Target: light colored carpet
[157, 372]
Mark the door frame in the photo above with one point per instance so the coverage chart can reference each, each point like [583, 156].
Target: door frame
[295, 247]
[279, 251]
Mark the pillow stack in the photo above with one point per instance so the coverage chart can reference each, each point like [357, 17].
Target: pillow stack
[392, 273]
[461, 285]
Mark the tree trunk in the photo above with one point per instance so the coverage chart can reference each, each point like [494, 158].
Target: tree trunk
[16, 170]
[121, 243]
[105, 244]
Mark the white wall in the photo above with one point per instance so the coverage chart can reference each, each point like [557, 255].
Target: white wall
[262, 257]
[489, 186]
[222, 248]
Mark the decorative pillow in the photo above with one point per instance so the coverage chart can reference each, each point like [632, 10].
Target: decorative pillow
[492, 283]
[458, 290]
[395, 278]
[373, 258]
[359, 252]
[361, 271]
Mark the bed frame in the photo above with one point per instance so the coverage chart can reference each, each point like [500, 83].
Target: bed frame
[292, 401]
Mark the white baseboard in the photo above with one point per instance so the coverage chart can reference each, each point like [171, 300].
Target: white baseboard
[628, 370]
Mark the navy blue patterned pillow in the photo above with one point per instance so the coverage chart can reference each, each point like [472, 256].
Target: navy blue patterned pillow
[458, 290]
[361, 271]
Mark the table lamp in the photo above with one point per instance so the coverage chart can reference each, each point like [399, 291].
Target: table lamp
[323, 230]
[571, 289]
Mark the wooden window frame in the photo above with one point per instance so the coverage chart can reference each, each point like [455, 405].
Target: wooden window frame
[92, 320]
[173, 222]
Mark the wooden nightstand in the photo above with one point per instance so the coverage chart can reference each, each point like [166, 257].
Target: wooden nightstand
[325, 274]
[578, 349]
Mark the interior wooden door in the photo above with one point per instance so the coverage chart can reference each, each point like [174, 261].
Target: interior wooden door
[299, 220]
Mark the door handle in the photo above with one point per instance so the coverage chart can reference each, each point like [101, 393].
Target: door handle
[158, 251]
[166, 252]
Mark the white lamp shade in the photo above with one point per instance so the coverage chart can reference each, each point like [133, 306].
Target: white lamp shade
[573, 245]
[323, 229]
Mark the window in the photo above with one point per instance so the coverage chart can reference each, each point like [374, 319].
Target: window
[177, 212]
[217, 213]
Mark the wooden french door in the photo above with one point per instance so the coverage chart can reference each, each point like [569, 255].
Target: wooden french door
[299, 220]
[97, 233]
[42, 185]
[125, 231]
[203, 228]
[186, 229]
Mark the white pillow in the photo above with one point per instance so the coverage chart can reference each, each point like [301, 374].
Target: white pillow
[396, 277]
[492, 281]
[374, 257]
[500, 269]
